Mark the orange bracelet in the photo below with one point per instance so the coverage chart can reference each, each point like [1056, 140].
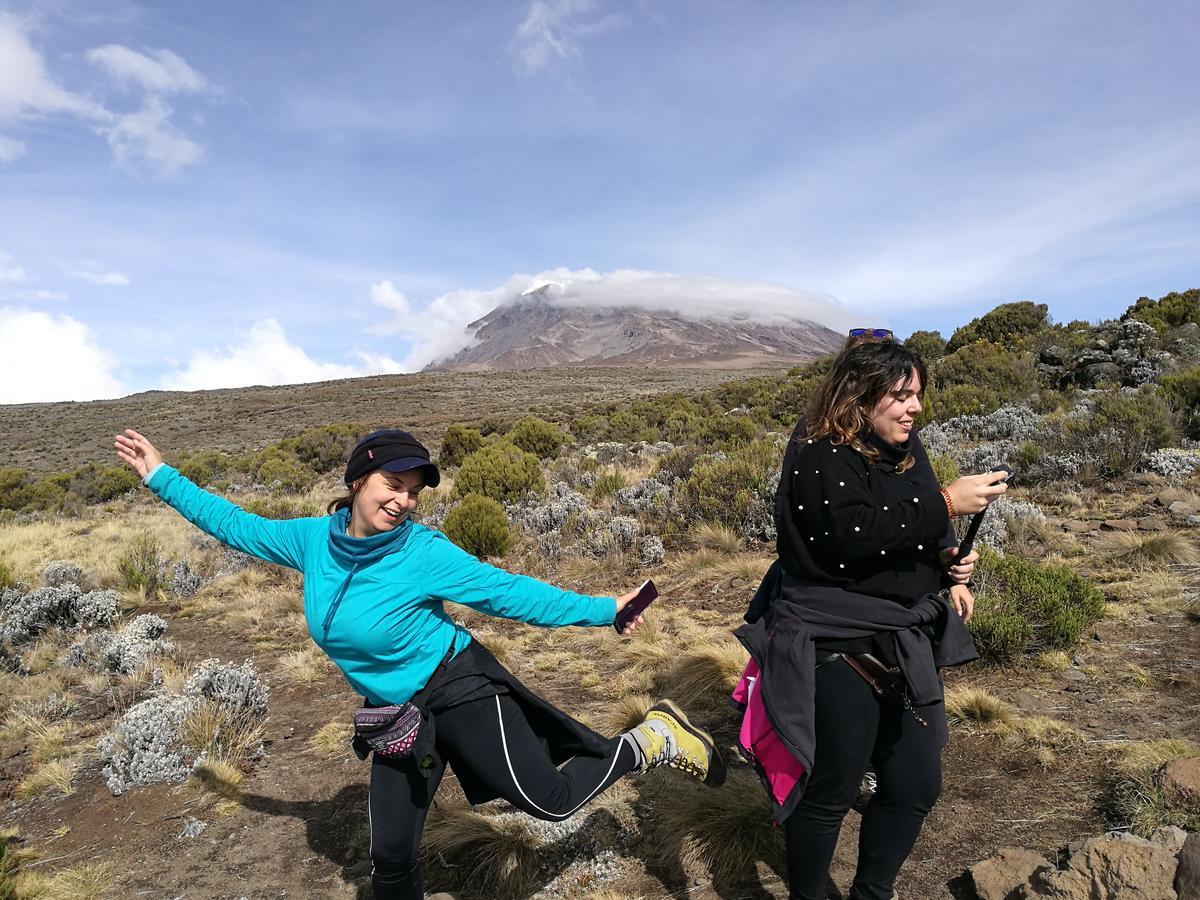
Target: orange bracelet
[949, 503]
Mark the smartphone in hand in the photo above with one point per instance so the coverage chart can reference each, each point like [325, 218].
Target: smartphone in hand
[645, 596]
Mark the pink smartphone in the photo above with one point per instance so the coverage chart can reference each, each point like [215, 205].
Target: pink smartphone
[645, 596]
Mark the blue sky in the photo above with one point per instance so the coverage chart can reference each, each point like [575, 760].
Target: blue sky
[204, 195]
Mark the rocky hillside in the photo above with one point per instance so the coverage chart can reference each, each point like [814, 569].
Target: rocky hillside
[536, 333]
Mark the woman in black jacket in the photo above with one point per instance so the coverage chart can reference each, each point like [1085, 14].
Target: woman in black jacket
[863, 548]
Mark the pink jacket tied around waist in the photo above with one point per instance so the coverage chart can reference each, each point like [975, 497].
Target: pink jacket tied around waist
[758, 741]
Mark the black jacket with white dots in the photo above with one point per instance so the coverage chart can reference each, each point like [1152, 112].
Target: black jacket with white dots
[865, 527]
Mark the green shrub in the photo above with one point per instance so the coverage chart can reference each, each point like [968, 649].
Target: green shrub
[929, 345]
[1182, 392]
[1027, 456]
[537, 436]
[458, 443]
[590, 428]
[726, 490]
[1011, 374]
[725, 432]
[941, 404]
[203, 466]
[8, 577]
[478, 525]
[283, 472]
[94, 483]
[627, 428]
[1167, 312]
[1022, 605]
[677, 463]
[140, 567]
[282, 508]
[15, 487]
[607, 484]
[50, 493]
[1120, 428]
[1005, 325]
[945, 469]
[502, 471]
[325, 448]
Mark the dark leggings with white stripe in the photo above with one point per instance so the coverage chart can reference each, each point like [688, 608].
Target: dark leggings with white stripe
[491, 739]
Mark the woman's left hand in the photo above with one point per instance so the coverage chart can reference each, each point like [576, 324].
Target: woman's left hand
[959, 571]
[963, 601]
[623, 601]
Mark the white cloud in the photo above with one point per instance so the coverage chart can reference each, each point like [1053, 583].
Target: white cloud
[386, 295]
[45, 358]
[552, 30]
[96, 273]
[39, 296]
[440, 329]
[265, 356]
[161, 72]
[142, 141]
[10, 149]
[10, 272]
[147, 141]
[26, 88]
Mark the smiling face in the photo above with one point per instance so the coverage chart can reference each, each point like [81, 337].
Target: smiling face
[892, 417]
[383, 500]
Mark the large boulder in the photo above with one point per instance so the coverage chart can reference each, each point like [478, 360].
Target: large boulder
[1008, 872]
[1114, 867]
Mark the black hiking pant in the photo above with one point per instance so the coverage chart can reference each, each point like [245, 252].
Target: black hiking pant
[854, 729]
[491, 738]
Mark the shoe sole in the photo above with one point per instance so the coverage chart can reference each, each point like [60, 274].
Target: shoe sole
[716, 765]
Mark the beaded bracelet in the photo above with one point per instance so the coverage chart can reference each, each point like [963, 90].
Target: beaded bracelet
[949, 502]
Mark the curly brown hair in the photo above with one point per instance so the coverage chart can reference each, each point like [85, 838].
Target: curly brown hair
[861, 375]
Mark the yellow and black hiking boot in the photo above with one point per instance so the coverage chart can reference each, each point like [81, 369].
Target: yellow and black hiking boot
[666, 737]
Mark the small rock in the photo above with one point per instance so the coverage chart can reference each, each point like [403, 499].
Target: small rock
[1074, 675]
[1182, 510]
[1182, 777]
[1187, 876]
[1194, 521]
[1170, 837]
[1074, 526]
[1005, 873]
[1152, 523]
[1026, 702]
[1119, 525]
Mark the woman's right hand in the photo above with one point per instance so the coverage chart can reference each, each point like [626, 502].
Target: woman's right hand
[137, 452]
[973, 493]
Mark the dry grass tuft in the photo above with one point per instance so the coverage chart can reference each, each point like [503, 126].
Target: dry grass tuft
[722, 832]
[305, 666]
[747, 568]
[55, 775]
[220, 733]
[972, 705]
[626, 712]
[499, 850]
[92, 881]
[332, 739]
[1137, 797]
[712, 536]
[1053, 661]
[220, 777]
[1149, 550]
[707, 672]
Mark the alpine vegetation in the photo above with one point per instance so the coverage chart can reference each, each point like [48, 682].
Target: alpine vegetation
[24, 616]
[153, 742]
[121, 652]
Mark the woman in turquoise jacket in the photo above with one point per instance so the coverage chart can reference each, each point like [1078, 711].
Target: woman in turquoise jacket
[374, 587]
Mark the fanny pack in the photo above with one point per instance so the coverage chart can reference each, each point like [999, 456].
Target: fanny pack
[393, 731]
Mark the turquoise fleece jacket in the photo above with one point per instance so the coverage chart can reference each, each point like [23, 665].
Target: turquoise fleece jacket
[379, 614]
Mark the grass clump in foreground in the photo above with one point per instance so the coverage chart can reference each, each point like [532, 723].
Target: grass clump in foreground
[495, 849]
[1023, 605]
[1139, 796]
[723, 833]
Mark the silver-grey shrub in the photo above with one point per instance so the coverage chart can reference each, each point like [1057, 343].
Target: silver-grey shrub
[646, 496]
[1172, 463]
[24, 616]
[184, 583]
[237, 688]
[62, 571]
[123, 651]
[146, 745]
[653, 552]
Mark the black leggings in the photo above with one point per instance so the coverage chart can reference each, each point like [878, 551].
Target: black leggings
[854, 729]
[491, 739]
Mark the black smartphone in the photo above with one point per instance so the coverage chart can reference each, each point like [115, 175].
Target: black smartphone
[968, 542]
[645, 596]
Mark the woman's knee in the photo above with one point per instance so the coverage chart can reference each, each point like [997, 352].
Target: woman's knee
[917, 787]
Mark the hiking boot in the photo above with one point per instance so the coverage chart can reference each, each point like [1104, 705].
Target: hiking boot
[666, 737]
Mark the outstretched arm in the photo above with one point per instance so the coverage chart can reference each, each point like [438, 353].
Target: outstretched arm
[279, 542]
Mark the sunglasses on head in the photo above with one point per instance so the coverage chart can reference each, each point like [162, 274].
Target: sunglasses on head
[881, 334]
